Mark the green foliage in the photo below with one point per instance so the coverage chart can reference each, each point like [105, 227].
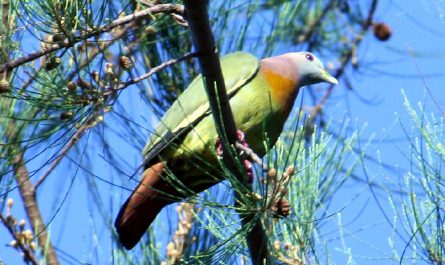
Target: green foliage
[321, 168]
[422, 211]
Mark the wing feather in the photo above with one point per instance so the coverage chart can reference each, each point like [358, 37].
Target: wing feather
[192, 105]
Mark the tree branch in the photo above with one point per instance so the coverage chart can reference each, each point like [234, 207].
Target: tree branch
[28, 195]
[349, 55]
[69, 42]
[197, 16]
[252, 156]
[90, 121]
[21, 173]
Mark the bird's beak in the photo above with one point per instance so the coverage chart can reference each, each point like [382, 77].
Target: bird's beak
[327, 77]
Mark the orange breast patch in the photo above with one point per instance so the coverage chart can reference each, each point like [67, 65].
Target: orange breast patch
[283, 85]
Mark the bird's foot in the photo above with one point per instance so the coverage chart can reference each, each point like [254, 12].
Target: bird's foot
[248, 166]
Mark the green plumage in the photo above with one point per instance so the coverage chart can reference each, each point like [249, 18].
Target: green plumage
[261, 94]
[192, 105]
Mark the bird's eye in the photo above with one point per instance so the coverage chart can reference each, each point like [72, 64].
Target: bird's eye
[309, 57]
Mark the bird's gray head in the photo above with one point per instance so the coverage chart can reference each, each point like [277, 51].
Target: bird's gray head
[310, 69]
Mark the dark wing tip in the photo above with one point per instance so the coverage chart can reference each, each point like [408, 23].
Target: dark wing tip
[127, 238]
[127, 241]
[129, 235]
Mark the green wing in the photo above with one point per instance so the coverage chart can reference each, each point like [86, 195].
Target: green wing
[192, 105]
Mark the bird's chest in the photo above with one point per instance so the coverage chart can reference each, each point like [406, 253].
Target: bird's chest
[260, 116]
[261, 127]
[257, 113]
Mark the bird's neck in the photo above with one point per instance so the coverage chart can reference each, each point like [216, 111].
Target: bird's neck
[282, 77]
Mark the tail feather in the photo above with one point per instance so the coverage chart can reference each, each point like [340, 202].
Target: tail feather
[141, 208]
[151, 195]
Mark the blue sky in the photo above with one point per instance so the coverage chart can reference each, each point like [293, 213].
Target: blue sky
[409, 61]
[412, 58]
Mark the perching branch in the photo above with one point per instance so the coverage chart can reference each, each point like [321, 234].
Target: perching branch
[252, 156]
[69, 42]
[197, 16]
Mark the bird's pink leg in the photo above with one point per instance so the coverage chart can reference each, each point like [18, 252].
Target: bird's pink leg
[246, 162]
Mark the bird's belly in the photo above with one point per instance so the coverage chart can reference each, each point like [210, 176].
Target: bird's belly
[197, 161]
[260, 125]
[255, 114]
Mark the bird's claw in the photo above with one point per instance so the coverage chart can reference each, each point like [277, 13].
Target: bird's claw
[246, 163]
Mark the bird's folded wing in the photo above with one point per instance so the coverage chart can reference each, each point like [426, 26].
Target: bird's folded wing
[192, 105]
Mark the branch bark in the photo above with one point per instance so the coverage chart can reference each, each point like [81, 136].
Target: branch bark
[203, 40]
[27, 192]
[21, 173]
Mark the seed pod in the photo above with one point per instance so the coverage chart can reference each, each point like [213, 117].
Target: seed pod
[10, 220]
[277, 245]
[22, 224]
[150, 29]
[289, 172]
[272, 174]
[281, 208]
[4, 86]
[13, 243]
[33, 246]
[66, 115]
[381, 31]
[52, 63]
[95, 76]
[287, 245]
[125, 62]
[57, 37]
[109, 69]
[10, 203]
[28, 235]
[83, 84]
[71, 86]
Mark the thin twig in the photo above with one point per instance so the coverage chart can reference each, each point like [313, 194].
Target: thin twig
[88, 124]
[251, 154]
[316, 22]
[348, 56]
[72, 141]
[425, 83]
[153, 71]
[81, 65]
[28, 255]
[69, 42]
[21, 174]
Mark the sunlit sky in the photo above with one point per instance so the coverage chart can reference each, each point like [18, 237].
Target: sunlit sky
[410, 61]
